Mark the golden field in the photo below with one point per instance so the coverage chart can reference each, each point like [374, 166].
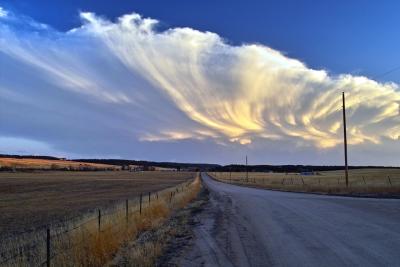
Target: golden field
[383, 181]
[85, 242]
[30, 199]
[44, 164]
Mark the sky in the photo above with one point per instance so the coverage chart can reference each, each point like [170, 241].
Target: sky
[201, 81]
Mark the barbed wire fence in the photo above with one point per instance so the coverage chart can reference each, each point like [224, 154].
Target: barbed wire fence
[41, 245]
[310, 180]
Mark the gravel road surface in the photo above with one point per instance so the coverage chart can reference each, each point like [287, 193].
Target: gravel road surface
[254, 227]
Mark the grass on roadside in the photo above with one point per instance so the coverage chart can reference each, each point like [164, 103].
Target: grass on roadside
[95, 245]
[377, 182]
[147, 249]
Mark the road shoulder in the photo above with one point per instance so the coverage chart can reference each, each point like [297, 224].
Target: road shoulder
[182, 237]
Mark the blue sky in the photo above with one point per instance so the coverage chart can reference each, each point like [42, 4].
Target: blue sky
[359, 37]
[203, 81]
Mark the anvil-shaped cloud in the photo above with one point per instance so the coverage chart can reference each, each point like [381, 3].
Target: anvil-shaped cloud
[96, 88]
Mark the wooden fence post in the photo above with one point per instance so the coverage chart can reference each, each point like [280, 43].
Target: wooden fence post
[302, 180]
[99, 220]
[149, 197]
[140, 203]
[126, 210]
[157, 195]
[48, 247]
[390, 182]
[364, 180]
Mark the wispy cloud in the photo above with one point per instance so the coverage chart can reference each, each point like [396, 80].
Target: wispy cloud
[127, 79]
[3, 13]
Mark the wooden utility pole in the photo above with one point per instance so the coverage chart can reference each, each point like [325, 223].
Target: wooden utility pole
[346, 170]
[247, 172]
[140, 203]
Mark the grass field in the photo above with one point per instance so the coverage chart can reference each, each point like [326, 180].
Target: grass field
[28, 200]
[87, 242]
[44, 164]
[361, 181]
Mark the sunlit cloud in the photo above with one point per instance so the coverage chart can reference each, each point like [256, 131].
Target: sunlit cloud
[183, 84]
[247, 90]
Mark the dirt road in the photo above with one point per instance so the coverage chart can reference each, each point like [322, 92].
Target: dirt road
[253, 227]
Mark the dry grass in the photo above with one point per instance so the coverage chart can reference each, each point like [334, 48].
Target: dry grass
[89, 245]
[44, 164]
[361, 181]
[28, 200]
[145, 254]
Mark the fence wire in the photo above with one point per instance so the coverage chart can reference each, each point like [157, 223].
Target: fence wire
[31, 250]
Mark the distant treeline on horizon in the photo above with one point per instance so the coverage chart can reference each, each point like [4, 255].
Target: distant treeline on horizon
[30, 157]
[205, 166]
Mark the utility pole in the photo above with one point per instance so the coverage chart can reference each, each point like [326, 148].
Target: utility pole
[346, 170]
[247, 172]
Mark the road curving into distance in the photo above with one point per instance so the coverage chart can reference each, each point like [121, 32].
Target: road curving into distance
[243, 226]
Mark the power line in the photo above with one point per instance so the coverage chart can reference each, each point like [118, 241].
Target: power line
[386, 73]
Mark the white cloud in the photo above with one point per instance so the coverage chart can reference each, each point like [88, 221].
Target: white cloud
[3, 12]
[266, 93]
[182, 84]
